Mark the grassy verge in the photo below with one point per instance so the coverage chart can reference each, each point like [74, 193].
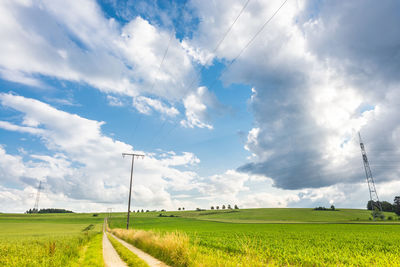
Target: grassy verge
[92, 253]
[128, 256]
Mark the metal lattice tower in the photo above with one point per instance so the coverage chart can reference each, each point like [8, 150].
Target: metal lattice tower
[36, 208]
[376, 204]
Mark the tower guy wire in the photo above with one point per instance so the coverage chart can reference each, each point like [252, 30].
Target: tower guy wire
[375, 203]
[133, 155]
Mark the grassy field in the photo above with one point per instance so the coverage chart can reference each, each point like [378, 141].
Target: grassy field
[49, 240]
[252, 237]
[311, 238]
[279, 215]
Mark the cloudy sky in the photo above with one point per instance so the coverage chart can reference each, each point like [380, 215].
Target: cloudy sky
[248, 102]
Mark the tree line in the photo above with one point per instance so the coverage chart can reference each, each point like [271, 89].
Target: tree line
[387, 206]
[48, 211]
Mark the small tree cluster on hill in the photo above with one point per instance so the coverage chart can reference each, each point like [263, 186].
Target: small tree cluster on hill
[323, 208]
[229, 207]
[48, 211]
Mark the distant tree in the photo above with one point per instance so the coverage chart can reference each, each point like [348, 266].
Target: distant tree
[212, 207]
[223, 207]
[369, 205]
[217, 207]
[147, 211]
[50, 211]
[183, 208]
[142, 210]
[397, 205]
[386, 206]
[229, 206]
[138, 211]
[179, 208]
[332, 207]
[163, 210]
[236, 207]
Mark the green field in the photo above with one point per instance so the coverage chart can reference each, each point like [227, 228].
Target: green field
[49, 240]
[251, 237]
[254, 238]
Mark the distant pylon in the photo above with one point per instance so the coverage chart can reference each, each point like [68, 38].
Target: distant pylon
[36, 207]
[373, 195]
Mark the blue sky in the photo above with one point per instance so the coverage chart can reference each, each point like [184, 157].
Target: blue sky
[82, 83]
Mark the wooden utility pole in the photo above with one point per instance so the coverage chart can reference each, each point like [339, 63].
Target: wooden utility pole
[130, 185]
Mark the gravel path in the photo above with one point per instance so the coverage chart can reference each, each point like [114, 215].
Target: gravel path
[110, 256]
[150, 260]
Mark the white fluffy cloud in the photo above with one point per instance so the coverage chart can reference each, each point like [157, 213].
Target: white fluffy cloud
[83, 163]
[145, 105]
[74, 41]
[196, 108]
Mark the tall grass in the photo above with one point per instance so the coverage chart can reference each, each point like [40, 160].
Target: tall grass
[43, 251]
[172, 248]
[176, 249]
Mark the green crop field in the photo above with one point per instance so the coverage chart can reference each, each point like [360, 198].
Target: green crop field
[49, 240]
[252, 237]
[307, 237]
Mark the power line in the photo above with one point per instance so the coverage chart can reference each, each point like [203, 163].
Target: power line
[159, 68]
[248, 43]
[220, 41]
[213, 51]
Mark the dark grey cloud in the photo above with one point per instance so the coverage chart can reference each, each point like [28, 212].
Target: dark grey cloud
[356, 45]
[363, 37]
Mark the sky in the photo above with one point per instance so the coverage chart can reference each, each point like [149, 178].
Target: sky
[242, 102]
